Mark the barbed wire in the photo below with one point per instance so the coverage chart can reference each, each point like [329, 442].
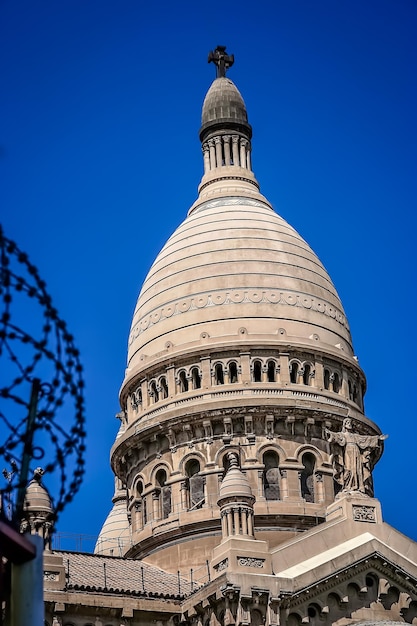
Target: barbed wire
[41, 374]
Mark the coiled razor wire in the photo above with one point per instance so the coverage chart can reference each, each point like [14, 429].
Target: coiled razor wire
[41, 389]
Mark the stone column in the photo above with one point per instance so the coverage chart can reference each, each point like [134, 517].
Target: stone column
[212, 152]
[245, 363]
[205, 372]
[206, 158]
[345, 384]
[223, 518]
[184, 495]
[235, 149]
[250, 526]
[229, 523]
[155, 506]
[245, 515]
[219, 156]
[226, 147]
[319, 374]
[273, 612]
[145, 397]
[171, 381]
[243, 144]
[248, 158]
[236, 521]
[284, 368]
[284, 484]
[318, 487]
[137, 517]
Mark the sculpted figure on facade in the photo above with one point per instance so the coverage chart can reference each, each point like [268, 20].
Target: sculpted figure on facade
[354, 457]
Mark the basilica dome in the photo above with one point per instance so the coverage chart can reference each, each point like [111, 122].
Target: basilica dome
[234, 266]
[239, 343]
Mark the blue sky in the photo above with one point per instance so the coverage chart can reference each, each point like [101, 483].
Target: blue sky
[100, 161]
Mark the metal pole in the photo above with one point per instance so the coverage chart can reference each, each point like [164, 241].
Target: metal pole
[27, 450]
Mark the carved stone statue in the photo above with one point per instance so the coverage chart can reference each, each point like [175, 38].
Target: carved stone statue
[354, 457]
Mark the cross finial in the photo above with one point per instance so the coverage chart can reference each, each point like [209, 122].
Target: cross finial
[221, 59]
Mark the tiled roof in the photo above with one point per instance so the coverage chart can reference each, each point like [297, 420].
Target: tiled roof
[119, 575]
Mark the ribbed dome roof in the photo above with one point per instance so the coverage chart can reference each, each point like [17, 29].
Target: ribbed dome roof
[37, 498]
[234, 270]
[235, 264]
[114, 537]
[223, 101]
[235, 485]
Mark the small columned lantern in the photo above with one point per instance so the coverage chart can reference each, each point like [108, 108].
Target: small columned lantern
[236, 502]
[38, 515]
[238, 550]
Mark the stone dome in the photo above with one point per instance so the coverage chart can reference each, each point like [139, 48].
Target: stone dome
[235, 267]
[235, 485]
[37, 498]
[223, 101]
[114, 537]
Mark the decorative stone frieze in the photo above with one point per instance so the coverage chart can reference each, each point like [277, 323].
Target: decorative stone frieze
[364, 513]
[246, 561]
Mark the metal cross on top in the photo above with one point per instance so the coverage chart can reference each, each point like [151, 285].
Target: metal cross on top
[221, 59]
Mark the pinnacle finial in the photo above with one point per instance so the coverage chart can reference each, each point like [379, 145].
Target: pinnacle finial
[221, 59]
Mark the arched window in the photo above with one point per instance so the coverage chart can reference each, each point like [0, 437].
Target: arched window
[326, 379]
[336, 383]
[271, 371]
[307, 477]
[257, 371]
[355, 394]
[182, 381]
[294, 372]
[153, 391]
[142, 503]
[218, 374]
[271, 476]
[164, 388]
[164, 493]
[195, 484]
[350, 387]
[256, 618]
[233, 372]
[307, 374]
[195, 378]
[136, 399]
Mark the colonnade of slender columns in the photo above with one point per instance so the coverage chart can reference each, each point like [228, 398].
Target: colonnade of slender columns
[226, 150]
[237, 520]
